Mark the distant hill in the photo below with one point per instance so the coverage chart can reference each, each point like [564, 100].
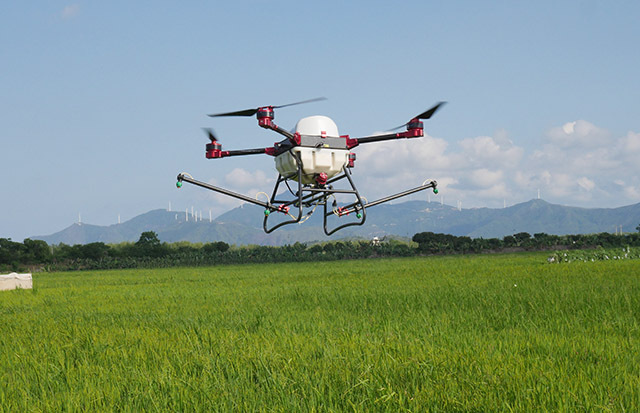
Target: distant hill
[243, 225]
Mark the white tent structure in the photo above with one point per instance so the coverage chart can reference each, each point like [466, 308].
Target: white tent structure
[15, 280]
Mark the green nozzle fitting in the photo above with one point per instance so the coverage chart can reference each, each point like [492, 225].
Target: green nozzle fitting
[267, 212]
[359, 215]
[435, 190]
[179, 184]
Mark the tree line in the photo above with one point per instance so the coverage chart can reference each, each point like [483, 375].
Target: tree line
[431, 243]
[150, 252]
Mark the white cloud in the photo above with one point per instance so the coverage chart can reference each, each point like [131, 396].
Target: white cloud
[632, 192]
[70, 11]
[413, 155]
[586, 183]
[476, 168]
[221, 202]
[569, 127]
[485, 150]
[560, 184]
[501, 136]
[241, 178]
[580, 164]
[631, 142]
[498, 190]
[578, 132]
[244, 182]
[485, 178]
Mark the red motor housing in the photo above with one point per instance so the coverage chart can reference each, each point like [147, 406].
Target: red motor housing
[265, 116]
[213, 150]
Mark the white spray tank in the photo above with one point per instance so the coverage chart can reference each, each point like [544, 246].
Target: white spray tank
[315, 160]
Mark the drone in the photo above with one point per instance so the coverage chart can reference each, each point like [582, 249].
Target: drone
[314, 163]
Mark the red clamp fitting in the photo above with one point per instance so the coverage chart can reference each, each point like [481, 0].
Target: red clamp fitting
[352, 159]
[321, 178]
[284, 209]
[351, 143]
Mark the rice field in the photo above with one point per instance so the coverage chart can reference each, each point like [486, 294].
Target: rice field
[472, 333]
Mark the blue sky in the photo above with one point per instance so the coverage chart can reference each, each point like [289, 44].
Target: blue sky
[102, 102]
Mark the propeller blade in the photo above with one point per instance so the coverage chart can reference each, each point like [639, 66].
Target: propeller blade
[246, 112]
[430, 112]
[251, 112]
[398, 127]
[424, 115]
[210, 134]
[301, 102]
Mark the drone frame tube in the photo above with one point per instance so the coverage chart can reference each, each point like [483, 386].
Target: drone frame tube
[353, 207]
[241, 152]
[184, 178]
[410, 133]
[218, 153]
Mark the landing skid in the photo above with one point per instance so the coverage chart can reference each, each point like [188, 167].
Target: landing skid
[309, 197]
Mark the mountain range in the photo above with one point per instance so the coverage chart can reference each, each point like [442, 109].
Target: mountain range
[243, 225]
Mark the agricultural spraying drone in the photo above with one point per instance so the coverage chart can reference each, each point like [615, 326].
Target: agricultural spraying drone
[314, 158]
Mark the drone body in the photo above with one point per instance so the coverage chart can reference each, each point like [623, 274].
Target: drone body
[320, 149]
[316, 159]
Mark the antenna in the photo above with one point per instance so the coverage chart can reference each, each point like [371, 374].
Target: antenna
[118, 218]
[459, 205]
[504, 202]
[210, 220]
[186, 215]
[79, 219]
[192, 212]
[169, 206]
[538, 193]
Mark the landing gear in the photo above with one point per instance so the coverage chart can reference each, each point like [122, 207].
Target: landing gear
[308, 197]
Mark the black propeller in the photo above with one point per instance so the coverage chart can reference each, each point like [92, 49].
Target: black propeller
[427, 114]
[424, 115]
[251, 112]
[210, 134]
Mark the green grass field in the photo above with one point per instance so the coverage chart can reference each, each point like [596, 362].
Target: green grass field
[476, 333]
